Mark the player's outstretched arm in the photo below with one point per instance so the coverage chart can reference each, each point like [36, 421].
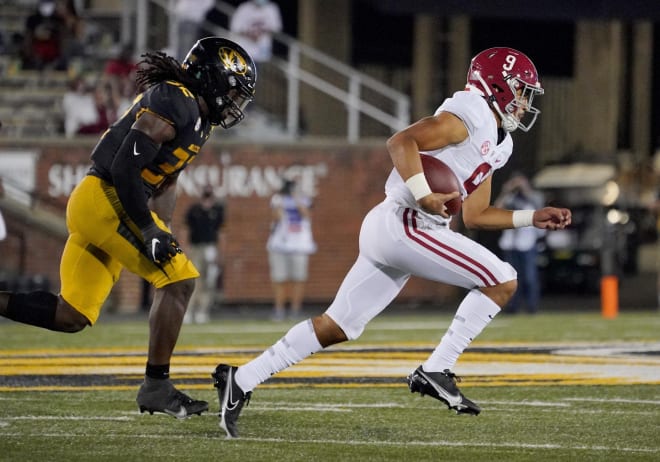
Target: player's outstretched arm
[552, 218]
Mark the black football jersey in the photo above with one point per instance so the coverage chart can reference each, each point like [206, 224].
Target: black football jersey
[177, 105]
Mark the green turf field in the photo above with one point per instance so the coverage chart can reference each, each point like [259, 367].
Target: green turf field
[553, 387]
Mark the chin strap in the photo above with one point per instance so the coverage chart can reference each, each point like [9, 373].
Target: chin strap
[509, 122]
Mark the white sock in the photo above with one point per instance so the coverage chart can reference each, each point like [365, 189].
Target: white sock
[299, 343]
[474, 313]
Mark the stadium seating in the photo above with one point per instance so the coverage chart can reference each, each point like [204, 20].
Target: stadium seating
[31, 103]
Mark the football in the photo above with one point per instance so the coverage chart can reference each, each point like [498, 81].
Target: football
[441, 180]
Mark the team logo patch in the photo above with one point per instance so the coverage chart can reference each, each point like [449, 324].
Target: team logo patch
[485, 148]
[233, 60]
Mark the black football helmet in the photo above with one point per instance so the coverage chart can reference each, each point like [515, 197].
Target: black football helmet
[226, 77]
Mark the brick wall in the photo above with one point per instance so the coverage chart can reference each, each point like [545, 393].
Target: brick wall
[346, 182]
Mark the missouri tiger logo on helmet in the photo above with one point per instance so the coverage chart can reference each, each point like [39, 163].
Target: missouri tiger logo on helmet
[233, 60]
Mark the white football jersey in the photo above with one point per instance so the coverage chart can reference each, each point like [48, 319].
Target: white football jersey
[473, 160]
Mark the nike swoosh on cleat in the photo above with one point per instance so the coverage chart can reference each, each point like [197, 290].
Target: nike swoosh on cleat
[135, 151]
[452, 400]
[231, 404]
[180, 414]
[224, 404]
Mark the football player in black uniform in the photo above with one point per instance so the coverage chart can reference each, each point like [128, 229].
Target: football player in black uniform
[118, 216]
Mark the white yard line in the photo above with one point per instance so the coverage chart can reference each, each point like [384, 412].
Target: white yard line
[614, 400]
[64, 418]
[371, 443]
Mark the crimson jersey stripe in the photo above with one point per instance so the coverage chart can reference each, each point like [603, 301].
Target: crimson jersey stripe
[442, 250]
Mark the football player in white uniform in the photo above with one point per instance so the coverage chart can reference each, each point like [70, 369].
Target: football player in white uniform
[408, 234]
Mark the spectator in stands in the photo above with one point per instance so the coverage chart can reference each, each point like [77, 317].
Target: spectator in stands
[123, 65]
[55, 35]
[78, 107]
[45, 30]
[73, 39]
[190, 15]
[104, 109]
[253, 24]
[119, 77]
[86, 108]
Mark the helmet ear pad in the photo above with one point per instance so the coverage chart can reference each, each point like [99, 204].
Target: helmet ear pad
[509, 122]
[213, 86]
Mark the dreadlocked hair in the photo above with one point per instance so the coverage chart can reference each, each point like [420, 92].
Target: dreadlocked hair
[158, 67]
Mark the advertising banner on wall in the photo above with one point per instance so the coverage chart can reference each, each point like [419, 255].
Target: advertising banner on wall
[18, 172]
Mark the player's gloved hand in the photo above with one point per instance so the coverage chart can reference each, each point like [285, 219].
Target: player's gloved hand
[161, 246]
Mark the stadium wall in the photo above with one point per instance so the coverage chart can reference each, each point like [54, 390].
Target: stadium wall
[345, 181]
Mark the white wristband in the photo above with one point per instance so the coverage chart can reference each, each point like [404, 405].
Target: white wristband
[418, 186]
[522, 218]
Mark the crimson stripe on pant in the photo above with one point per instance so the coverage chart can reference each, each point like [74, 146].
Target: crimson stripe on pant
[442, 250]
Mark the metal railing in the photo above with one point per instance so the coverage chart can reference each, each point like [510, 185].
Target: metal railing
[391, 108]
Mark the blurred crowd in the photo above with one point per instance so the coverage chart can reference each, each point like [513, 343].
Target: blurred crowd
[56, 36]
[53, 35]
[96, 100]
[61, 36]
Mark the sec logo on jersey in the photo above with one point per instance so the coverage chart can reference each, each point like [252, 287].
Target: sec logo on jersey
[485, 148]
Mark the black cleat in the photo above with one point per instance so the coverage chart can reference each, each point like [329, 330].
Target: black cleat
[442, 386]
[161, 396]
[231, 397]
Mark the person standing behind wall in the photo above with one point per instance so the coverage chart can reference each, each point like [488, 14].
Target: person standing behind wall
[519, 244]
[289, 245]
[190, 15]
[253, 24]
[205, 220]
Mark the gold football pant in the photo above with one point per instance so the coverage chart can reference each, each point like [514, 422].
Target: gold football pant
[103, 240]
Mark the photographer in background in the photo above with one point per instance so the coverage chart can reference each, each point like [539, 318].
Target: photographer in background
[518, 245]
